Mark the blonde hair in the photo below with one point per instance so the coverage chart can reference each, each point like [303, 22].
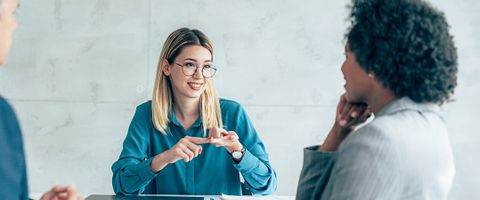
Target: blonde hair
[162, 98]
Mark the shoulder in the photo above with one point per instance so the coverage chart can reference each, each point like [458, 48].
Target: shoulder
[6, 111]
[233, 114]
[144, 111]
[145, 106]
[9, 124]
[370, 152]
[228, 106]
[373, 138]
[5, 107]
[380, 128]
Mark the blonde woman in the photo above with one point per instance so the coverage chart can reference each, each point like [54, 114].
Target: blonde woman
[187, 140]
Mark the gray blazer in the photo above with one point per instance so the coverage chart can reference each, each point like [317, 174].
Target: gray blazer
[403, 153]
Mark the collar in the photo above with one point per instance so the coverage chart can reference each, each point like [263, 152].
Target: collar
[405, 103]
[173, 119]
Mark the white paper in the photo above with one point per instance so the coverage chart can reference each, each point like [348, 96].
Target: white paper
[268, 197]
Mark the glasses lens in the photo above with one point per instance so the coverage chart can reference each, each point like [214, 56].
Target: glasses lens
[189, 69]
[209, 71]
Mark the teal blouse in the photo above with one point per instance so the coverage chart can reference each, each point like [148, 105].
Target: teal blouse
[211, 173]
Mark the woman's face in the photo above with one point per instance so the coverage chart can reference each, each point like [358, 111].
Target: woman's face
[8, 23]
[185, 86]
[358, 85]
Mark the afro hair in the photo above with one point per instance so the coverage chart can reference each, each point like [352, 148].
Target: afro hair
[406, 44]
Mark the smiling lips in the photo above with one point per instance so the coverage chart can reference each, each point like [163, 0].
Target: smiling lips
[195, 86]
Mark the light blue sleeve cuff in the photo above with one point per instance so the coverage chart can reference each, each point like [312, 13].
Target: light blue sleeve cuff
[248, 163]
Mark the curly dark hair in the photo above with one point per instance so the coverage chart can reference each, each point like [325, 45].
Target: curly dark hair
[406, 44]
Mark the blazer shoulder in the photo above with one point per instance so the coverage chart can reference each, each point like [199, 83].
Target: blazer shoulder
[375, 136]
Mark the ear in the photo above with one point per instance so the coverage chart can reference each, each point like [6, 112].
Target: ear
[371, 75]
[166, 68]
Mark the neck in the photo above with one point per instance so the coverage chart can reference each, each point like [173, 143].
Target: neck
[380, 99]
[187, 108]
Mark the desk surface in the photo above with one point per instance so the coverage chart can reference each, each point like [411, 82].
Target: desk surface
[188, 197]
[156, 197]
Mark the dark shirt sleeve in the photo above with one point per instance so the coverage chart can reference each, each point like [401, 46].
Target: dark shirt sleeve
[13, 176]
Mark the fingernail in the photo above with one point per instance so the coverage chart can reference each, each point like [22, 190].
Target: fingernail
[342, 122]
[354, 114]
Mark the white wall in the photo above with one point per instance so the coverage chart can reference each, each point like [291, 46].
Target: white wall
[78, 69]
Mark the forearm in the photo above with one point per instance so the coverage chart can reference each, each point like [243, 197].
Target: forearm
[160, 161]
[334, 138]
[236, 146]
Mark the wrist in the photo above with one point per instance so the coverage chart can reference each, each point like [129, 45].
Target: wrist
[235, 146]
[335, 137]
[339, 130]
[238, 155]
[160, 161]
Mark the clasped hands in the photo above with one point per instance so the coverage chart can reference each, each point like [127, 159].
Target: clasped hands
[189, 148]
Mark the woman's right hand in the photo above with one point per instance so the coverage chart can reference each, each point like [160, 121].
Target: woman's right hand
[186, 148]
[348, 115]
[62, 193]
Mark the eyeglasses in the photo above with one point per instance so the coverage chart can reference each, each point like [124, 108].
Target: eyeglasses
[189, 69]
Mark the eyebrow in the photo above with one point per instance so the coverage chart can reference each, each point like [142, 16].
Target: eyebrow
[196, 60]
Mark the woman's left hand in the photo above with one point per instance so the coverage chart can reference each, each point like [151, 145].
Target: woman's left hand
[223, 138]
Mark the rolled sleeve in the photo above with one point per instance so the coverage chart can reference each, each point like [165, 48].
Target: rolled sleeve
[133, 177]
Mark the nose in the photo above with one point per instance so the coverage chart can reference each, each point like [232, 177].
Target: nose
[342, 68]
[14, 23]
[198, 73]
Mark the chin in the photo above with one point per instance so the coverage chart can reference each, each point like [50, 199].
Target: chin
[354, 99]
[195, 94]
[3, 60]
[350, 97]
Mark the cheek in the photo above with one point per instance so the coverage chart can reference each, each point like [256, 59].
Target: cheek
[14, 23]
[206, 80]
[346, 69]
[177, 75]
[177, 79]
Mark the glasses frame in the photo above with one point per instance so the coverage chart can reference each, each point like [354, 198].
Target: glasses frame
[196, 68]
